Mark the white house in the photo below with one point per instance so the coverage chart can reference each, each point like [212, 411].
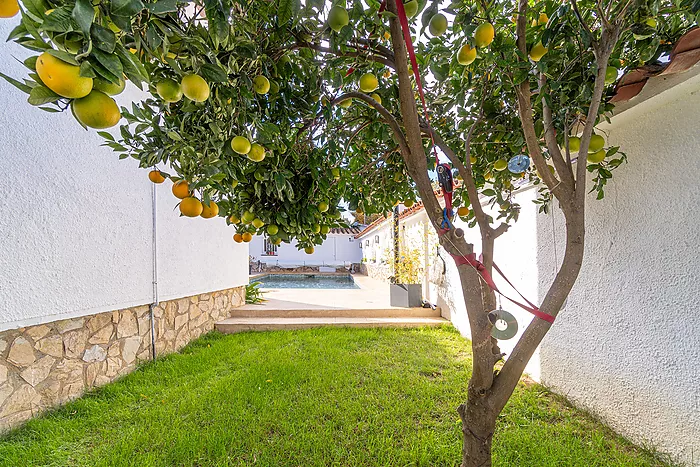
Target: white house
[626, 345]
[94, 257]
[339, 249]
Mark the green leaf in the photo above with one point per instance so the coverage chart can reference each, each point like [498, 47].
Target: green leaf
[86, 70]
[41, 95]
[18, 84]
[103, 38]
[110, 62]
[83, 14]
[63, 56]
[163, 6]
[133, 68]
[286, 10]
[30, 62]
[213, 73]
[125, 8]
[106, 135]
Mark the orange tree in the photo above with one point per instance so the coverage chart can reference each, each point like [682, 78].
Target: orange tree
[270, 113]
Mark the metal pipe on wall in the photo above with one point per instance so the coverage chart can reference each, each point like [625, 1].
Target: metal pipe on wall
[155, 271]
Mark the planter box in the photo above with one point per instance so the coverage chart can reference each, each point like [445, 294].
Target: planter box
[405, 295]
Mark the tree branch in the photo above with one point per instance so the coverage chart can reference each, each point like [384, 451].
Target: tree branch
[563, 169]
[526, 115]
[386, 115]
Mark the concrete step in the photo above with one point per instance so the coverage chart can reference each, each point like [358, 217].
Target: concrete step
[257, 311]
[233, 325]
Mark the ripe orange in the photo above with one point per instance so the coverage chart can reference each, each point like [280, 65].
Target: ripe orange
[8, 8]
[191, 207]
[247, 236]
[238, 238]
[181, 189]
[62, 78]
[156, 176]
[210, 211]
[463, 211]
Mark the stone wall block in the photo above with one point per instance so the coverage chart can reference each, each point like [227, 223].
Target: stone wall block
[130, 348]
[183, 305]
[39, 371]
[52, 345]
[21, 352]
[98, 322]
[95, 354]
[102, 336]
[74, 343]
[5, 391]
[37, 332]
[128, 326]
[69, 325]
[24, 399]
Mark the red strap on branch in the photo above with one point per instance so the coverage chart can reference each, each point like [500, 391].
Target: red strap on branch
[403, 19]
[481, 269]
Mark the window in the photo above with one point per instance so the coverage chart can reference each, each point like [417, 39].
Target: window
[269, 248]
[367, 242]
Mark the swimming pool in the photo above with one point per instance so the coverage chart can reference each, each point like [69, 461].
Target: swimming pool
[305, 281]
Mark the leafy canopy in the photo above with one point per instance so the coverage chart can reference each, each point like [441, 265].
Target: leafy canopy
[319, 149]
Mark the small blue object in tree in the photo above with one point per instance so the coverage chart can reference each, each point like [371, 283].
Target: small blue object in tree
[519, 164]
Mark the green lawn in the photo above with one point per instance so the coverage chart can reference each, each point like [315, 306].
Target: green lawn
[323, 397]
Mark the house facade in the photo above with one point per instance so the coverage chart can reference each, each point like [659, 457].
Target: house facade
[625, 345]
[340, 249]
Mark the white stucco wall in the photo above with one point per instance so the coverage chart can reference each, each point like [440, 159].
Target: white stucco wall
[76, 223]
[627, 345]
[336, 250]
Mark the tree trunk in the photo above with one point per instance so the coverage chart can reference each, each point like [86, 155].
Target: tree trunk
[478, 424]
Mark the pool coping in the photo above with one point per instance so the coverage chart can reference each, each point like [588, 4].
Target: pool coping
[297, 273]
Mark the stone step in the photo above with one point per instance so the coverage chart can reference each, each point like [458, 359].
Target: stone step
[233, 325]
[255, 311]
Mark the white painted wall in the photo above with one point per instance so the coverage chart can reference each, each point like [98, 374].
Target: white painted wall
[336, 250]
[627, 345]
[75, 222]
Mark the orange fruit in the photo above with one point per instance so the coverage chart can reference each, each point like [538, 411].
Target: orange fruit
[191, 207]
[463, 211]
[8, 8]
[96, 110]
[181, 189]
[156, 176]
[62, 78]
[210, 211]
[309, 250]
[247, 236]
[238, 238]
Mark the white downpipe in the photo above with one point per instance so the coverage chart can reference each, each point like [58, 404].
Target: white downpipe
[426, 263]
[155, 271]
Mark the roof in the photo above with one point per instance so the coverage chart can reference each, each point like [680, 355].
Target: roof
[418, 206]
[347, 230]
[685, 54]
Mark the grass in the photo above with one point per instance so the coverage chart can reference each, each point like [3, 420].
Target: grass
[322, 397]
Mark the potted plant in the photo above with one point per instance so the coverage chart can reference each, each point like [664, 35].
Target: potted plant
[405, 289]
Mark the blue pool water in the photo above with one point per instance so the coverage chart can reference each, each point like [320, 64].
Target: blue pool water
[305, 281]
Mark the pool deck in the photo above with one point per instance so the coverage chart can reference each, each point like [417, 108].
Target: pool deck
[367, 306]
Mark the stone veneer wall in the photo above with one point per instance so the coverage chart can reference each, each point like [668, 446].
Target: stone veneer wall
[49, 364]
